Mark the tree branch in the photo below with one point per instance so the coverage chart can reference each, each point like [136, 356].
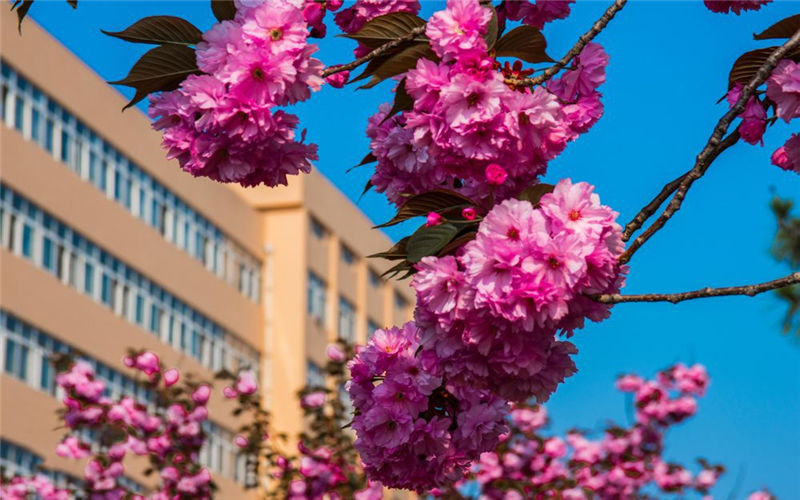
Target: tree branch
[714, 146]
[584, 39]
[749, 290]
[386, 47]
[651, 208]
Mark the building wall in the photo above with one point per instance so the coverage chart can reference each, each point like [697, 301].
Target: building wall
[255, 296]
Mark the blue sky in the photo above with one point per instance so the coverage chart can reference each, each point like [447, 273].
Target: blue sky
[669, 64]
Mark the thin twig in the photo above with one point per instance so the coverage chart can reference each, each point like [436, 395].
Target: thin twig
[374, 53]
[584, 39]
[651, 208]
[749, 290]
[712, 147]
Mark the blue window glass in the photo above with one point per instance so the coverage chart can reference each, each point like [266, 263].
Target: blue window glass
[88, 278]
[27, 240]
[19, 113]
[139, 309]
[49, 130]
[66, 147]
[36, 119]
[106, 291]
[48, 259]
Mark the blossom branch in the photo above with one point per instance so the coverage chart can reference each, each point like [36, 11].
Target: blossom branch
[749, 290]
[584, 39]
[651, 208]
[386, 47]
[715, 145]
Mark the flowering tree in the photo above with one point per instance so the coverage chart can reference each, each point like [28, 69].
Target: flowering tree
[505, 268]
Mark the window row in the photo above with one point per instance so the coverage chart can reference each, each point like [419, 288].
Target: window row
[68, 140]
[31, 233]
[18, 461]
[27, 355]
[317, 309]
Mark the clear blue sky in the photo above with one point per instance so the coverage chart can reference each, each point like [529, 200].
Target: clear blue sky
[669, 64]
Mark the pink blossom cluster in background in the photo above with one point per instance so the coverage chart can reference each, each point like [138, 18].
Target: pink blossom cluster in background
[465, 115]
[38, 486]
[169, 434]
[224, 124]
[415, 430]
[492, 311]
[622, 463]
[735, 6]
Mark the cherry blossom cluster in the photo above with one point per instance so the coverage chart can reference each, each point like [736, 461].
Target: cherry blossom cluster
[535, 14]
[38, 486]
[352, 19]
[170, 434]
[414, 429]
[224, 124]
[466, 116]
[735, 6]
[492, 311]
[623, 463]
[783, 88]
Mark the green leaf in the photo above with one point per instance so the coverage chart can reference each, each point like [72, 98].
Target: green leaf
[22, 8]
[432, 201]
[784, 28]
[402, 101]
[224, 10]
[534, 193]
[492, 30]
[370, 158]
[397, 63]
[747, 65]
[387, 28]
[429, 240]
[523, 42]
[160, 30]
[398, 251]
[458, 242]
[160, 69]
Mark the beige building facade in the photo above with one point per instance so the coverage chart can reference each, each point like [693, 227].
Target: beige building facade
[106, 245]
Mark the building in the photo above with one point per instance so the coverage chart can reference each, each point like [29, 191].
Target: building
[105, 245]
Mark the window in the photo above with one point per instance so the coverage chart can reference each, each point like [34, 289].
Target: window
[316, 297]
[16, 362]
[347, 256]
[375, 279]
[347, 320]
[15, 460]
[67, 139]
[314, 375]
[317, 229]
[371, 327]
[400, 302]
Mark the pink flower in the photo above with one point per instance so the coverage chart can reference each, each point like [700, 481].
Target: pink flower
[148, 362]
[246, 383]
[433, 219]
[338, 80]
[495, 174]
[735, 6]
[335, 353]
[241, 441]
[71, 447]
[458, 28]
[468, 213]
[171, 377]
[230, 392]
[783, 88]
[201, 394]
[313, 400]
[787, 156]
